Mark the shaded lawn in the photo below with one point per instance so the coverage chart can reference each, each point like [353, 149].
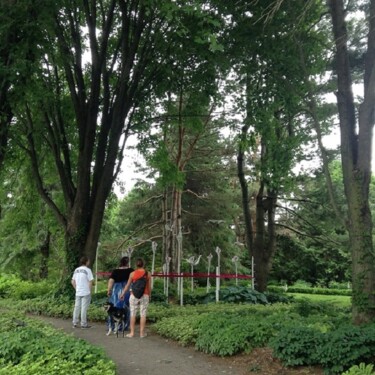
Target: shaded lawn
[339, 301]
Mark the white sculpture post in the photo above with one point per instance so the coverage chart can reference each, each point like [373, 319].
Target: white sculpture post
[218, 251]
[164, 278]
[182, 290]
[235, 260]
[130, 252]
[154, 245]
[167, 262]
[209, 258]
[179, 257]
[193, 262]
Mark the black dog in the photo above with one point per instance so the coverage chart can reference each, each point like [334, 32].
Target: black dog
[116, 315]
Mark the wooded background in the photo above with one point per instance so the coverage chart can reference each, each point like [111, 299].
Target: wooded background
[226, 100]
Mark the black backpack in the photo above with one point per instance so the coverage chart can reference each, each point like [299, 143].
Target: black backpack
[138, 286]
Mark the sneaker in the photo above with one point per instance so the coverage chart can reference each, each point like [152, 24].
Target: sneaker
[85, 327]
[74, 325]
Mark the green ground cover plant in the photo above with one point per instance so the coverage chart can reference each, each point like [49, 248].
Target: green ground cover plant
[11, 286]
[32, 347]
[361, 369]
[303, 330]
[227, 329]
[335, 350]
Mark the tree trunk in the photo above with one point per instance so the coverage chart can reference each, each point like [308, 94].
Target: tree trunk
[175, 225]
[356, 151]
[245, 193]
[45, 251]
[361, 244]
[165, 223]
[265, 237]
[102, 92]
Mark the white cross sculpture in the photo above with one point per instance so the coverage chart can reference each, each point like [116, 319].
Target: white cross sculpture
[193, 262]
[218, 251]
[235, 260]
[167, 262]
[130, 252]
[209, 258]
[179, 257]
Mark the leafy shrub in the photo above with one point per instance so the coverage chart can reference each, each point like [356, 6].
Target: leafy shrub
[338, 285]
[99, 298]
[30, 290]
[221, 328]
[221, 336]
[8, 283]
[302, 284]
[346, 346]
[11, 286]
[32, 347]
[295, 346]
[56, 365]
[305, 307]
[237, 294]
[335, 350]
[158, 296]
[194, 298]
[59, 307]
[278, 297]
[228, 334]
[183, 329]
[361, 369]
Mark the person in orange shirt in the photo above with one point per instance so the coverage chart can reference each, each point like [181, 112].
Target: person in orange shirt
[135, 303]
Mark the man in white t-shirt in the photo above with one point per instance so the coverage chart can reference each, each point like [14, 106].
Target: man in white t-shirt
[82, 282]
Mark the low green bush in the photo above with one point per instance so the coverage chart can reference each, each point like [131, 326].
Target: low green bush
[306, 307]
[237, 294]
[278, 297]
[335, 350]
[300, 332]
[195, 297]
[361, 369]
[59, 307]
[32, 347]
[30, 290]
[224, 329]
[183, 329]
[228, 334]
[13, 287]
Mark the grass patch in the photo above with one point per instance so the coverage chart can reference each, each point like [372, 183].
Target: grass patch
[338, 301]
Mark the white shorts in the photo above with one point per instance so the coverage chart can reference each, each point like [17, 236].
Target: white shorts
[142, 303]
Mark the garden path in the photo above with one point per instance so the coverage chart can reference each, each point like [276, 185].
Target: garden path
[152, 355]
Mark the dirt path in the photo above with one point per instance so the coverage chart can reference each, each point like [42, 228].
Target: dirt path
[152, 355]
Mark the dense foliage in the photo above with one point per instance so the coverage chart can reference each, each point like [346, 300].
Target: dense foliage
[300, 332]
[29, 346]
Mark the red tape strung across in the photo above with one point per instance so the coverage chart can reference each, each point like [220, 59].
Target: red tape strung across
[197, 275]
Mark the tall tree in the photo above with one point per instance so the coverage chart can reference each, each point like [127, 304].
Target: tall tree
[208, 200]
[19, 36]
[356, 126]
[264, 56]
[106, 58]
[313, 243]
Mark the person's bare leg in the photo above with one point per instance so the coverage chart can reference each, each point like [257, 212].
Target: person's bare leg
[132, 326]
[142, 326]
